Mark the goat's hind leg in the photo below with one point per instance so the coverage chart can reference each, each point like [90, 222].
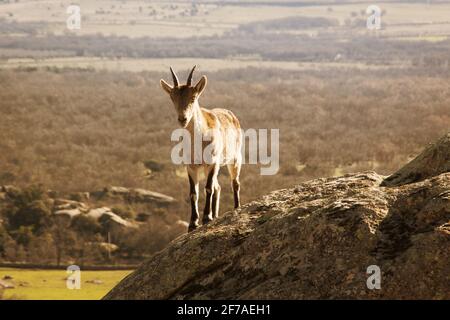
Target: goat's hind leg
[235, 170]
[216, 200]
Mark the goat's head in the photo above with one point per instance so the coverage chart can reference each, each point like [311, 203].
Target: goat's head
[184, 97]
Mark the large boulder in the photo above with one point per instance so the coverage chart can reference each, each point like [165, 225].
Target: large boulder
[313, 241]
[434, 160]
[65, 210]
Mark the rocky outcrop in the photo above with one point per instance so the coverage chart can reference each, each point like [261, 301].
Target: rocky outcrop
[314, 241]
[68, 210]
[100, 213]
[434, 160]
[65, 210]
[135, 195]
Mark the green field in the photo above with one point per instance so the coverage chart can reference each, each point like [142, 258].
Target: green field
[51, 284]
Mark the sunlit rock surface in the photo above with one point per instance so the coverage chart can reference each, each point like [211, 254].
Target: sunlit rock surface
[315, 241]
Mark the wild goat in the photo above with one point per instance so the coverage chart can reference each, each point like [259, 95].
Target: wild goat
[220, 132]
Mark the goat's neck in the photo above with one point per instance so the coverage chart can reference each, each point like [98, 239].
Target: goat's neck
[198, 122]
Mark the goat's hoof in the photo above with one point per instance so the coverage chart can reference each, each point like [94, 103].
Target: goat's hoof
[207, 220]
[193, 226]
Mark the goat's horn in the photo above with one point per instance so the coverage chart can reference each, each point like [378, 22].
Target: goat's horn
[189, 79]
[175, 78]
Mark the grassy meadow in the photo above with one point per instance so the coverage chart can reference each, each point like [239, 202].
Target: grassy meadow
[51, 284]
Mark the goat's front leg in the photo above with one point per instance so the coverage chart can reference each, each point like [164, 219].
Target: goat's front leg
[211, 182]
[193, 193]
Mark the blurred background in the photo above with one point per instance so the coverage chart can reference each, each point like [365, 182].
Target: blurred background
[85, 171]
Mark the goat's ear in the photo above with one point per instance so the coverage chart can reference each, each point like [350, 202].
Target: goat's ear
[201, 84]
[166, 87]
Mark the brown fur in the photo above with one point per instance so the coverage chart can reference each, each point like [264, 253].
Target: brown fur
[226, 144]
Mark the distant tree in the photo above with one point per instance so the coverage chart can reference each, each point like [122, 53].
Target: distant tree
[85, 226]
[125, 212]
[22, 197]
[23, 235]
[21, 254]
[4, 238]
[36, 215]
[10, 249]
[87, 231]
[65, 241]
[107, 224]
[28, 208]
[41, 249]
[14, 252]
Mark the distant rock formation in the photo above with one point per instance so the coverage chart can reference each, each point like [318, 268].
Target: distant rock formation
[135, 195]
[99, 213]
[317, 241]
[68, 209]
